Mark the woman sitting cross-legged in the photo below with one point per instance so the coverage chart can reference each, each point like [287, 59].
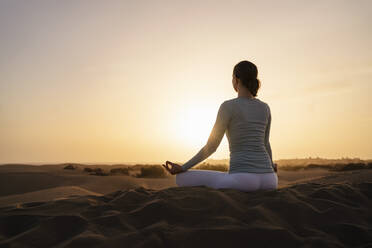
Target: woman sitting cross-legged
[246, 121]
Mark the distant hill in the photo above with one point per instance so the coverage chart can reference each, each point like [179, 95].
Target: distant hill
[301, 161]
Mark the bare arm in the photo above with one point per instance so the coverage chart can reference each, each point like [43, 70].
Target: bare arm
[267, 136]
[214, 140]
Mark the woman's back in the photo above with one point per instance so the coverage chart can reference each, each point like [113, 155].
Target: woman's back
[246, 122]
[248, 135]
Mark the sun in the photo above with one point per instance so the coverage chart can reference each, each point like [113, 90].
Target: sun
[195, 123]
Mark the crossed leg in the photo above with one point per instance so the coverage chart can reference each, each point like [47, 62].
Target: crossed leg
[208, 178]
[218, 180]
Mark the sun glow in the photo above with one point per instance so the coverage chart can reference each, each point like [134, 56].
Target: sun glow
[195, 124]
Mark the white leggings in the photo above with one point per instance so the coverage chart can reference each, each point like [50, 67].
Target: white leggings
[242, 181]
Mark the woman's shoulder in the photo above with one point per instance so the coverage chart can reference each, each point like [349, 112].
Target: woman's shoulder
[228, 103]
[257, 102]
[267, 107]
[237, 99]
[263, 102]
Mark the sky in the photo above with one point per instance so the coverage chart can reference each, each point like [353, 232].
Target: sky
[141, 81]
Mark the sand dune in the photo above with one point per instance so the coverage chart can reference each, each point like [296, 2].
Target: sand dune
[25, 178]
[18, 179]
[330, 210]
[312, 214]
[46, 195]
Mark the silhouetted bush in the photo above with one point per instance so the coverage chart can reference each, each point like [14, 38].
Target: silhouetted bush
[98, 172]
[152, 171]
[317, 166]
[291, 167]
[350, 166]
[337, 167]
[369, 165]
[86, 169]
[124, 171]
[69, 167]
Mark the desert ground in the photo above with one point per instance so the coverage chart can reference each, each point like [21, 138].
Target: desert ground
[49, 206]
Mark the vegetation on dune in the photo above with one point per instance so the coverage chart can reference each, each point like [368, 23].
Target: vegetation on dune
[124, 171]
[69, 167]
[158, 171]
[87, 169]
[99, 172]
[330, 167]
[95, 171]
[152, 171]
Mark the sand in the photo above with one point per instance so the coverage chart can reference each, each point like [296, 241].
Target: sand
[50, 207]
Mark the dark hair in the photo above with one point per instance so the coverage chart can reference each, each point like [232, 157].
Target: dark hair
[247, 73]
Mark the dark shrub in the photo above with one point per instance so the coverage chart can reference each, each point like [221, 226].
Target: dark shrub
[124, 171]
[152, 171]
[350, 166]
[98, 172]
[337, 167]
[318, 166]
[70, 167]
[86, 169]
[291, 167]
[354, 166]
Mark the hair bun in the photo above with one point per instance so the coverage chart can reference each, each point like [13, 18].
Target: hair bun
[247, 73]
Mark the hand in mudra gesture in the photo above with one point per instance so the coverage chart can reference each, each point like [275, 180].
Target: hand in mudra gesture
[275, 167]
[174, 169]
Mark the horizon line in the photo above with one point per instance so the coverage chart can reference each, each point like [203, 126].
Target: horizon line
[141, 162]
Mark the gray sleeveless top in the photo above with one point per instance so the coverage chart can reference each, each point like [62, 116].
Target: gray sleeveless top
[246, 122]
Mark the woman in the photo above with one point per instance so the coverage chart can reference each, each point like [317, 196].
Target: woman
[246, 121]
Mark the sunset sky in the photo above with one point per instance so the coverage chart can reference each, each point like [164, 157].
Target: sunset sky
[141, 81]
